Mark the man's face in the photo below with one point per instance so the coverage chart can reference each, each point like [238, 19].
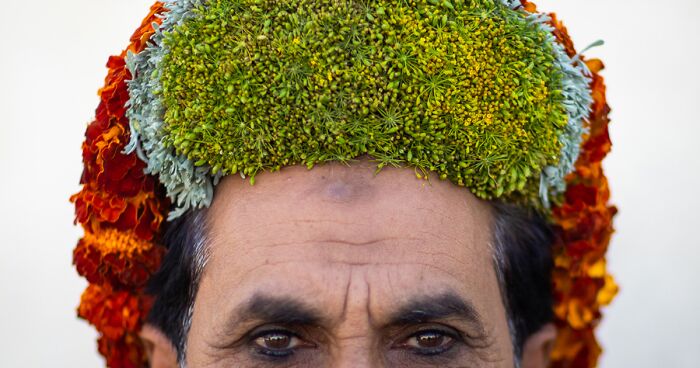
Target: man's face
[337, 267]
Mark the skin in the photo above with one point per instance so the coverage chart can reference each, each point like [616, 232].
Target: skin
[337, 267]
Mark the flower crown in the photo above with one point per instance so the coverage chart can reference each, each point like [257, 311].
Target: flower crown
[489, 94]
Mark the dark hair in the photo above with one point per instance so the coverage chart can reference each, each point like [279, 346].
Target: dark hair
[523, 260]
[175, 284]
[522, 243]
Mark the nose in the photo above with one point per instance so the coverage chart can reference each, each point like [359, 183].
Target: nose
[357, 354]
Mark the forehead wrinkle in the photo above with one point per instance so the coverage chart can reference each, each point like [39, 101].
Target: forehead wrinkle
[246, 275]
[443, 213]
[312, 242]
[257, 223]
[340, 247]
[368, 303]
[244, 237]
[341, 252]
[264, 227]
[219, 241]
[327, 247]
[356, 275]
[443, 258]
[344, 310]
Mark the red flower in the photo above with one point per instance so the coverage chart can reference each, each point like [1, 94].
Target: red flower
[118, 316]
[120, 259]
[114, 313]
[584, 226]
[110, 169]
[126, 352]
[91, 206]
[121, 210]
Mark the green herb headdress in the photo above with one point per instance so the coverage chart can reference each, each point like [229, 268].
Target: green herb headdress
[477, 91]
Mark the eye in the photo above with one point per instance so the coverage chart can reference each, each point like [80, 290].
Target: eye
[277, 343]
[429, 342]
[277, 340]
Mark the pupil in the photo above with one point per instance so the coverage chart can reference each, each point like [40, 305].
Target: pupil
[277, 341]
[430, 340]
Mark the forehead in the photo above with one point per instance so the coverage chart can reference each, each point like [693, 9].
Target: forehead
[305, 232]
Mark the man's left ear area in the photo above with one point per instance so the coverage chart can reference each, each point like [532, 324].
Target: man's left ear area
[538, 346]
[160, 351]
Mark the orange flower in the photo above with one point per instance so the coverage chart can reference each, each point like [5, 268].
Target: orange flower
[575, 348]
[584, 226]
[97, 206]
[113, 312]
[121, 210]
[115, 257]
[143, 34]
[106, 165]
[118, 316]
[126, 352]
[142, 213]
[116, 192]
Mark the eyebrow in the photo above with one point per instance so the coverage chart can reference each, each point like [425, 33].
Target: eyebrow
[275, 309]
[419, 309]
[427, 308]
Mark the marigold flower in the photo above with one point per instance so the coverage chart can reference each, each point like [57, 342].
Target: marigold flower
[125, 352]
[142, 213]
[584, 220]
[121, 210]
[113, 312]
[116, 257]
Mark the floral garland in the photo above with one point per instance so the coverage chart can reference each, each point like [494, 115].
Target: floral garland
[584, 224]
[121, 210]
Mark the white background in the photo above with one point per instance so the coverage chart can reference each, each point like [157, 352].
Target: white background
[52, 56]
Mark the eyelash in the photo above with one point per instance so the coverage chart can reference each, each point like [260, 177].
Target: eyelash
[428, 352]
[271, 353]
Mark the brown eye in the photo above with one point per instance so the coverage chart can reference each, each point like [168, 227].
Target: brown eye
[428, 340]
[277, 341]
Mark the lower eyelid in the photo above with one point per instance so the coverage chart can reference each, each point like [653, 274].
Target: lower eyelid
[432, 351]
[262, 356]
[274, 353]
[453, 356]
[303, 357]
